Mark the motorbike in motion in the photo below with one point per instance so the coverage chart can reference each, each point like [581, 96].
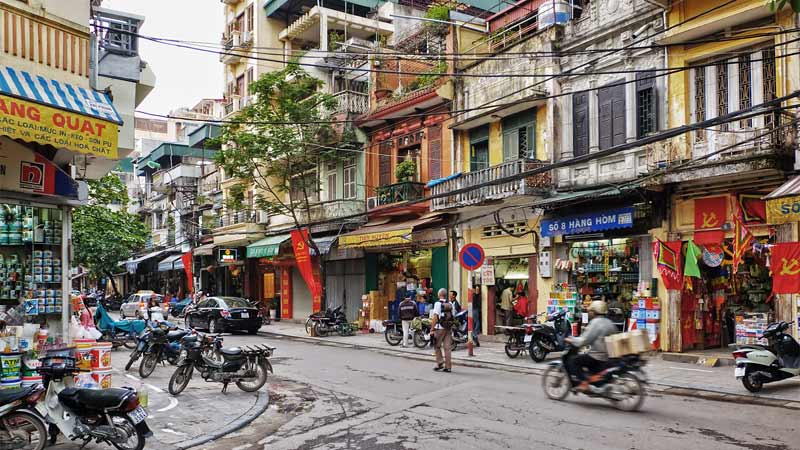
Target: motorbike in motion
[247, 367]
[21, 427]
[112, 415]
[621, 382]
[779, 360]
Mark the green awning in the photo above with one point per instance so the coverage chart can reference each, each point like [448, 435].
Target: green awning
[267, 247]
[167, 149]
[199, 138]
[125, 165]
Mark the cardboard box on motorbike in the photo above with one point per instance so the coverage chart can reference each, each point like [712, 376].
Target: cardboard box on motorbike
[630, 343]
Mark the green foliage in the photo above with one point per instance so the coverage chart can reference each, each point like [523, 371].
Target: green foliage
[279, 138]
[428, 79]
[406, 170]
[334, 39]
[776, 5]
[235, 200]
[102, 237]
[438, 12]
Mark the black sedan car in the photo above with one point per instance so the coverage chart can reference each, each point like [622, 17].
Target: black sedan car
[218, 314]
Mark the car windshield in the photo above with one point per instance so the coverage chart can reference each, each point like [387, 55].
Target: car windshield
[235, 302]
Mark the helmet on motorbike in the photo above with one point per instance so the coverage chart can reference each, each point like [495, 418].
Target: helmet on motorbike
[599, 307]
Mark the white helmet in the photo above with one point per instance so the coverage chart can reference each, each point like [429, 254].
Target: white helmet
[599, 307]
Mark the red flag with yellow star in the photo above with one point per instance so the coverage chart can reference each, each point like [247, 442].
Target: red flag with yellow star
[709, 214]
[785, 259]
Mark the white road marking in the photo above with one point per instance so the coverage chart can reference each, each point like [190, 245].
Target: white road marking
[155, 388]
[132, 377]
[167, 430]
[692, 370]
[173, 402]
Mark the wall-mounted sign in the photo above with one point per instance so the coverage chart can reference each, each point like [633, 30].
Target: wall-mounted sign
[589, 223]
[487, 275]
[783, 210]
[227, 255]
[23, 170]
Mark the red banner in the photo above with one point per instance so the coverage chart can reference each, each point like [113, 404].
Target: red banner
[709, 213]
[302, 257]
[186, 258]
[286, 293]
[785, 261]
[754, 209]
[668, 260]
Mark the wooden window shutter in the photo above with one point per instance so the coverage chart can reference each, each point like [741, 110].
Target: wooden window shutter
[435, 152]
[385, 164]
[604, 117]
[618, 115]
[580, 124]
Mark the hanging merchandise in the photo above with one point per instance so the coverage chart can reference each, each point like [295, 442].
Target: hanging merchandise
[753, 208]
[691, 269]
[786, 268]
[666, 255]
[742, 238]
[712, 255]
[709, 214]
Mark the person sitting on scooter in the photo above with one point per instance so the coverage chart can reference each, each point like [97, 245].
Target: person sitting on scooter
[594, 335]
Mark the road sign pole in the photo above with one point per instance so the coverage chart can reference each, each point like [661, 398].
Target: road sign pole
[471, 258]
[470, 342]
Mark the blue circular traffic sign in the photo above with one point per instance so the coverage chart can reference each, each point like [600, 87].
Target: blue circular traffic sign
[471, 256]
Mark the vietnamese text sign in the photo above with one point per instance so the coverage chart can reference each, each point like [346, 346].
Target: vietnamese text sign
[589, 223]
[32, 122]
[783, 210]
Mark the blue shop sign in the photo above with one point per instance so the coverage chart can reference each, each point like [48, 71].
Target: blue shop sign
[589, 223]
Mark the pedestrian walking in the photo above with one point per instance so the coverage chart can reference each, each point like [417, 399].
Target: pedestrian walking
[442, 321]
[407, 310]
[476, 314]
[507, 305]
[455, 302]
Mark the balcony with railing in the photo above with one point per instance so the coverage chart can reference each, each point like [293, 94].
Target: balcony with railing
[234, 46]
[404, 191]
[232, 105]
[230, 218]
[230, 2]
[351, 102]
[492, 186]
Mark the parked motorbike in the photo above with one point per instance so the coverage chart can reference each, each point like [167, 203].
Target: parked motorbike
[118, 332]
[21, 427]
[621, 383]
[112, 415]
[779, 360]
[247, 367]
[549, 337]
[421, 327]
[393, 332]
[161, 345]
[333, 321]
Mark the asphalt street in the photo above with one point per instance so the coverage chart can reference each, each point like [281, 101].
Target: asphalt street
[326, 397]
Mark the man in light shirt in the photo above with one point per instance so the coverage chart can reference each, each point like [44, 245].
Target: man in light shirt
[442, 321]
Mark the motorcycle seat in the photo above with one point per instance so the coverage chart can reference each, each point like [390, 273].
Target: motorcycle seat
[77, 398]
[232, 351]
[176, 335]
[12, 395]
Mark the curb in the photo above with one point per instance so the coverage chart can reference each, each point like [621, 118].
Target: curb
[660, 388]
[258, 408]
[689, 358]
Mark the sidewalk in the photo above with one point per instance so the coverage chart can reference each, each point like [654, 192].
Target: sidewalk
[678, 378]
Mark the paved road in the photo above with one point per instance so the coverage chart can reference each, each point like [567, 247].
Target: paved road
[336, 398]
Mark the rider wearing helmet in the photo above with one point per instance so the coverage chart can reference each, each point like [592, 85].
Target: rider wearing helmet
[594, 335]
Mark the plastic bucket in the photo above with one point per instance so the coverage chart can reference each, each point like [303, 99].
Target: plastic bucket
[85, 380]
[83, 353]
[101, 356]
[10, 364]
[31, 380]
[102, 378]
[10, 384]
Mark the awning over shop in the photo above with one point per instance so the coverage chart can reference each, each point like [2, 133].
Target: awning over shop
[783, 204]
[50, 112]
[132, 264]
[380, 233]
[267, 247]
[204, 250]
[562, 198]
[172, 262]
[324, 243]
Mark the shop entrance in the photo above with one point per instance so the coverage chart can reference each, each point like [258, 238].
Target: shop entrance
[344, 285]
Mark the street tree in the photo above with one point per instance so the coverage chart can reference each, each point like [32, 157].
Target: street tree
[102, 236]
[277, 143]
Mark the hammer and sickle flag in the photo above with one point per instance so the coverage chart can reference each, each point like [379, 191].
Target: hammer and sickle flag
[786, 268]
[709, 214]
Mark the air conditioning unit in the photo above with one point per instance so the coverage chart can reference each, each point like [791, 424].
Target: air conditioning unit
[372, 203]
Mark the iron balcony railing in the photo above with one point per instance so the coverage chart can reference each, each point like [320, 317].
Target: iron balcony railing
[403, 191]
[237, 217]
[535, 184]
[351, 102]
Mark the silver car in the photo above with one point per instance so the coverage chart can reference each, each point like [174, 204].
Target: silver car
[135, 306]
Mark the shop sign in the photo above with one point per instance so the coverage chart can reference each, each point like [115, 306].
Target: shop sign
[23, 170]
[228, 255]
[378, 239]
[487, 275]
[33, 122]
[429, 237]
[783, 210]
[589, 223]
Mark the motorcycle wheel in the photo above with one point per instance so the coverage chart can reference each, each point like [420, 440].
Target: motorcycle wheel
[393, 337]
[511, 353]
[134, 357]
[751, 382]
[130, 342]
[454, 344]
[257, 382]
[135, 439]
[629, 387]
[320, 330]
[419, 339]
[555, 383]
[309, 325]
[538, 353]
[23, 431]
[148, 364]
[180, 379]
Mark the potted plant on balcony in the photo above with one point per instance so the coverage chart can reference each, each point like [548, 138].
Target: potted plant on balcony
[405, 171]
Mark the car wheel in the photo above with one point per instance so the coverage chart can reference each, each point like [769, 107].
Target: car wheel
[252, 331]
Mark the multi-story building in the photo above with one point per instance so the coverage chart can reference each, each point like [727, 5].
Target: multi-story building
[60, 127]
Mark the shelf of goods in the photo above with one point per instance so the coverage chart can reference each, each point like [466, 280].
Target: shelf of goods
[561, 300]
[750, 328]
[647, 313]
